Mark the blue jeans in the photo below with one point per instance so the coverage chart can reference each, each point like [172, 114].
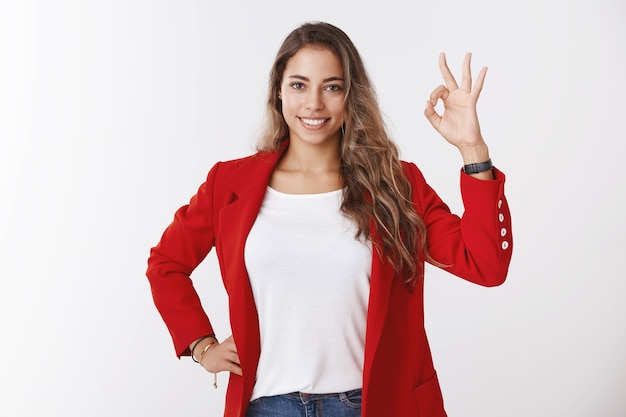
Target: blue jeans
[297, 404]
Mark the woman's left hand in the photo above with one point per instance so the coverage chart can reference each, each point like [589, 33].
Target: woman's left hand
[459, 122]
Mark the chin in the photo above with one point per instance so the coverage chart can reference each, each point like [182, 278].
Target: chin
[318, 138]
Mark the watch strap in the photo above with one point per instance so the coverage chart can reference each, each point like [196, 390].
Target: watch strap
[478, 167]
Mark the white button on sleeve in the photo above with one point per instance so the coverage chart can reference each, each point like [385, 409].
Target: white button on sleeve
[505, 245]
[503, 232]
[501, 217]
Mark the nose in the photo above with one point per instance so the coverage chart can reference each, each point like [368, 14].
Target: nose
[314, 101]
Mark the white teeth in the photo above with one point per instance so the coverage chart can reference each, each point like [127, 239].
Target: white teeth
[314, 122]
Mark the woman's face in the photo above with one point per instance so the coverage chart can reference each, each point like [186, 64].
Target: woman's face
[312, 93]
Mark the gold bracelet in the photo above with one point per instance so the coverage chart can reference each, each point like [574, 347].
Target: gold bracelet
[193, 347]
[206, 348]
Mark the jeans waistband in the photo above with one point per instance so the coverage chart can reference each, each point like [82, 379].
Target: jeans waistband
[310, 397]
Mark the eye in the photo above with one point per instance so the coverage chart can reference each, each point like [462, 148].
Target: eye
[334, 88]
[297, 85]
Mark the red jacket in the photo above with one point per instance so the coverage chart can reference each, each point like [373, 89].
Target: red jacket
[399, 378]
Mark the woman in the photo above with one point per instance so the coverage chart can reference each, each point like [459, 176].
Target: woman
[321, 239]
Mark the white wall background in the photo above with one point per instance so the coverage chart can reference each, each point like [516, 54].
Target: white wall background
[112, 112]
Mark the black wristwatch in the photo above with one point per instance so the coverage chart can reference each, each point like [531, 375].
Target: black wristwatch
[478, 167]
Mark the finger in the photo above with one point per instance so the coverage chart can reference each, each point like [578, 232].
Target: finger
[440, 92]
[235, 369]
[225, 361]
[229, 344]
[480, 80]
[231, 348]
[233, 358]
[446, 74]
[433, 117]
[466, 81]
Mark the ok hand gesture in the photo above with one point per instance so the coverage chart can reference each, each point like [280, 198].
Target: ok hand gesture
[459, 122]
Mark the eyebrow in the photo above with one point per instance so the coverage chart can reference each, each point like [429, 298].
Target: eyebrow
[303, 78]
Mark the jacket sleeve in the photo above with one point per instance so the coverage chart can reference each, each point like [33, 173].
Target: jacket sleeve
[477, 246]
[184, 244]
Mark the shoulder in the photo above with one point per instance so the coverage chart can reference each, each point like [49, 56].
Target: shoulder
[413, 173]
[246, 164]
[249, 160]
[241, 175]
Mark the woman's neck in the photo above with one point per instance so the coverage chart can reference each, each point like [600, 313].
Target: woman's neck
[308, 169]
[307, 158]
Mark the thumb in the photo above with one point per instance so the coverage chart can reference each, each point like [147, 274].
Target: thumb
[431, 114]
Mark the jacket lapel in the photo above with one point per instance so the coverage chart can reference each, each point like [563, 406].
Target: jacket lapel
[247, 185]
[378, 305]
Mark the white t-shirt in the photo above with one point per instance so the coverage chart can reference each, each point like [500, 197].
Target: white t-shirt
[310, 280]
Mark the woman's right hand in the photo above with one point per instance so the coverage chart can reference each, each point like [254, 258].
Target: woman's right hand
[221, 357]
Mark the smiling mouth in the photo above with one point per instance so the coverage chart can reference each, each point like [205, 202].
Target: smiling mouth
[313, 122]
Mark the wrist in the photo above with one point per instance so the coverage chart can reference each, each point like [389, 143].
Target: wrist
[473, 154]
[204, 348]
[199, 344]
[477, 168]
